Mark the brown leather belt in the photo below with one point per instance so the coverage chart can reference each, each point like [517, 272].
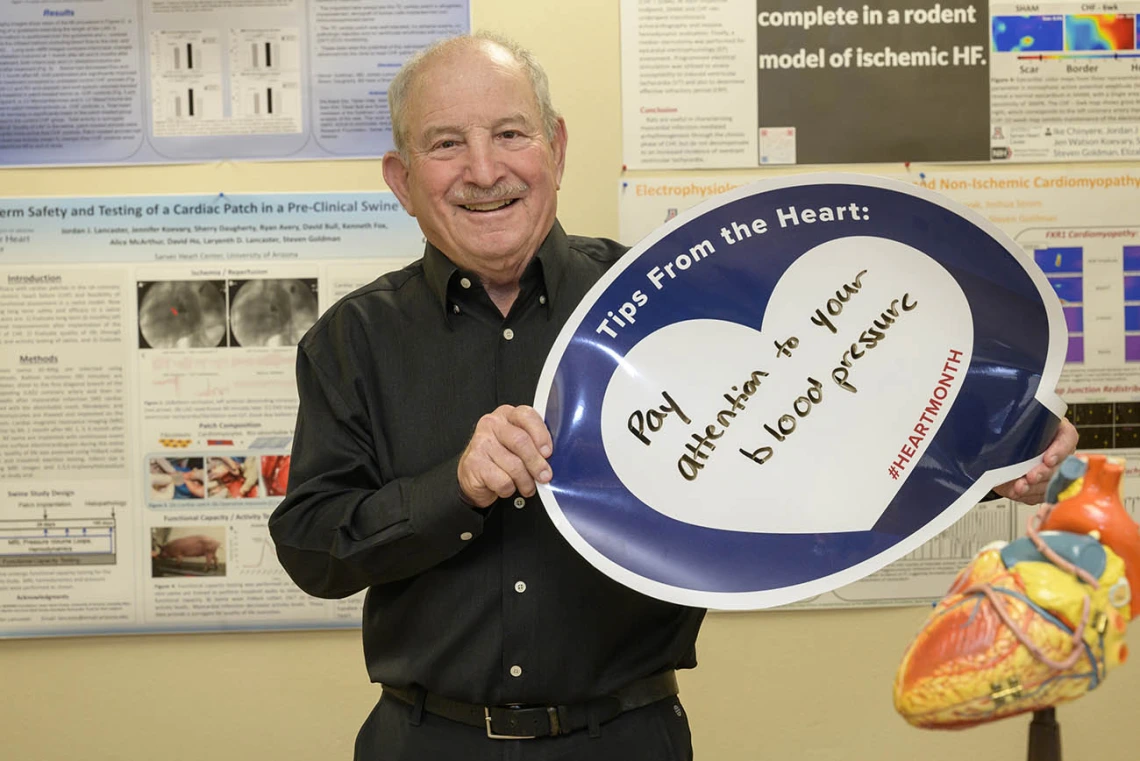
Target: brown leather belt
[527, 722]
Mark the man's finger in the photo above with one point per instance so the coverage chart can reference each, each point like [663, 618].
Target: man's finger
[1013, 489]
[497, 481]
[510, 464]
[521, 443]
[529, 420]
[481, 479]
[1064, 443]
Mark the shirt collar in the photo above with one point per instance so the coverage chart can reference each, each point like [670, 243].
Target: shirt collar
[553, 255]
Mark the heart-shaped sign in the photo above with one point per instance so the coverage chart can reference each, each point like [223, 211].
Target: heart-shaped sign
[794, 384]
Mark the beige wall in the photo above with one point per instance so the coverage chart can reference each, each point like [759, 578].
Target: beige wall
[813, 685]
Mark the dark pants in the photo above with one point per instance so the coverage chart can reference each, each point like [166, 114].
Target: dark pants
[657, 732]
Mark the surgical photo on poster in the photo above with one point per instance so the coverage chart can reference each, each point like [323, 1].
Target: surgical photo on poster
[174, 478]
[182, 314]
[275, 474]
[271, 312]
[232, 477]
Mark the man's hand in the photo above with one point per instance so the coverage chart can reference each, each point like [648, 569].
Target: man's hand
[1031, 487]
[507, 453]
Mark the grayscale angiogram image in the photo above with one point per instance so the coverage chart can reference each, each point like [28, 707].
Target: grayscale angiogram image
[271, 312]
[188, 314]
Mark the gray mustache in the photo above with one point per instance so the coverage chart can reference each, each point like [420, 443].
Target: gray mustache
[473, 194]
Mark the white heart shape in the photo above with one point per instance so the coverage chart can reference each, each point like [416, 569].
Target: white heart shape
[904, 387]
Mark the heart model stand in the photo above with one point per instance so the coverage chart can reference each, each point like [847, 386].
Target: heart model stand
[1032, 623]
[1044, 736]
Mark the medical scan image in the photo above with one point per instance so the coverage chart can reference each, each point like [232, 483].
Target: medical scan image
[271, 312]
[182, 315]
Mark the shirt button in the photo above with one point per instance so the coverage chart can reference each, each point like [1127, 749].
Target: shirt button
[516, 670]
[520, 503]
[464, 282]
[455, 308]
[542, 299]
[466, 536]
[520, 586]
[508, 334]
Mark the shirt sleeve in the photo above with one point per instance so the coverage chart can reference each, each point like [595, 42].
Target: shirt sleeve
[341, 526]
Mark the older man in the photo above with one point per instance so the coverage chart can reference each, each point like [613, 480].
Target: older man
[416, 457]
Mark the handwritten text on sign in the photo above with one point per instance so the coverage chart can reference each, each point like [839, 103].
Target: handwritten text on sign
[740, 420]
[703, 445]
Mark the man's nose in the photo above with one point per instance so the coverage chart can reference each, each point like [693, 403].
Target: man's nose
[483, 167]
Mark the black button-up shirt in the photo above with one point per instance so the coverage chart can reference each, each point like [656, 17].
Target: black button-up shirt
[488, 606]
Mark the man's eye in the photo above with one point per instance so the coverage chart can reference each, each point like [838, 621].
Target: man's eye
[446, 144]
[509, 134]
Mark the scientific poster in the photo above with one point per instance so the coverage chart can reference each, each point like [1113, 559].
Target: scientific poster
[742, 83]
[147, 401]
[162, 81]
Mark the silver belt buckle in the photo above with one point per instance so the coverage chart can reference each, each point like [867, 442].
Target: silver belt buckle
[493, 736]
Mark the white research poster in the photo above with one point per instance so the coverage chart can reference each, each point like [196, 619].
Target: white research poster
[148, 396]
[177, 81]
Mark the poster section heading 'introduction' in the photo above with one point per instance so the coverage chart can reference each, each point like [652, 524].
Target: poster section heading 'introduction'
[1081, 229]
[148, 401]
[151, 82]
[743, 83]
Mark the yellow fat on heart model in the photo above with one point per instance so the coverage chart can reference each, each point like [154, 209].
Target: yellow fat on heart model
[1035, 622]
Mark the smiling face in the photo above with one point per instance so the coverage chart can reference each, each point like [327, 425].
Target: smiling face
[480, 176]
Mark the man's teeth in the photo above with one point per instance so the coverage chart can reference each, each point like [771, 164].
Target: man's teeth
[488, 206]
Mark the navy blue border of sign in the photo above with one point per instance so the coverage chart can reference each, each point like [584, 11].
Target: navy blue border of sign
[995, 422]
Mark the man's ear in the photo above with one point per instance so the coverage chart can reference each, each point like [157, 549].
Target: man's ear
[396, 178]
[558, 146]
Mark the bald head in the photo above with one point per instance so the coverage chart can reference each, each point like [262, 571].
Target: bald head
[497, 48]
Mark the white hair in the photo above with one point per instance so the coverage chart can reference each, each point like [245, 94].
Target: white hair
[402, 83]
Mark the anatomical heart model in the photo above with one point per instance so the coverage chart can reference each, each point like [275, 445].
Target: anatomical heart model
[1035, 622]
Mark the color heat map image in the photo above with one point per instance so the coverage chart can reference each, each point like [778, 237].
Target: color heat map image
[1108, 31]
[1023, 33]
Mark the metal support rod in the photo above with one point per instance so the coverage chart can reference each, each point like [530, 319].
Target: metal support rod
[1044, 736]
